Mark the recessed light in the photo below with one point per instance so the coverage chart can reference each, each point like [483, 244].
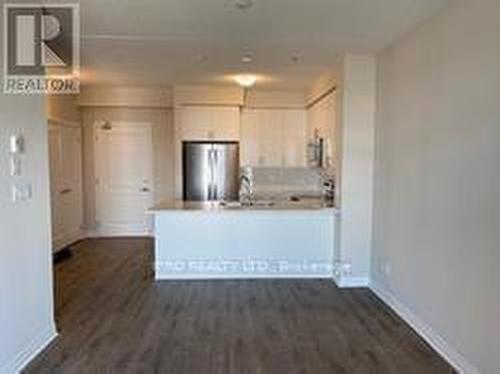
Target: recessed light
[246, 59]
[243, 4]
[245, 80]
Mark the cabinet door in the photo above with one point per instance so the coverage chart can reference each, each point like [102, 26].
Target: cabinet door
[294, 135]
[225, 123]
[259, 138]
[250, 138]
[270, 138]
[274, 137]
[195, 123]
[208, 123]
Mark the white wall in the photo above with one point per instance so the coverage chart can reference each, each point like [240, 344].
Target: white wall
[208, 95]
[264, 99]
[130, 97]
[354, 170]
[437, 196]
[26, 301]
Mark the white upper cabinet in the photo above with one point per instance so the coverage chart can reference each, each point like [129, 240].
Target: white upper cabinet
[208, 123]
[294, 139]
[273, 137]
[268, 137]
[250, 133]
[321, 120]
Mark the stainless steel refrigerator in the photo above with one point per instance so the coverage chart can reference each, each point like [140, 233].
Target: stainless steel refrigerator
[210, 170]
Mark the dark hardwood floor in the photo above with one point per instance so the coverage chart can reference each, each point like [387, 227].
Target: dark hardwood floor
[113, 318]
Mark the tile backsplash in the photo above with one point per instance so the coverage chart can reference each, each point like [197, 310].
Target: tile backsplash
[270, 182]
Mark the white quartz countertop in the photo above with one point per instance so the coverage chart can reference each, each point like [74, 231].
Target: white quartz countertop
[280, 205]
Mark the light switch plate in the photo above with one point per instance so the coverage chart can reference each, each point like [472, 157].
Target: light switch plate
[21, 193]
[15, 165]
[16, 144]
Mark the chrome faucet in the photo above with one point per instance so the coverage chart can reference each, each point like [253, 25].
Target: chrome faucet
[246, 187]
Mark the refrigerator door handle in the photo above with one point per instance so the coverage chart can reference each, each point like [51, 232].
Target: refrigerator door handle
[211, 183]
[210, 174]
[215, 174]
[210, 170]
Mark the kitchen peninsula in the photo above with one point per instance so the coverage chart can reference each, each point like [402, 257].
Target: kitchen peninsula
[210, 240]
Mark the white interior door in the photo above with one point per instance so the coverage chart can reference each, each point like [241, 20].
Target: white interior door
[65, 151]
[124, 185]
[70, 188]
[55, 185]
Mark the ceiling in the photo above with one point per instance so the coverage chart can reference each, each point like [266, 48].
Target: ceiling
[292, 42]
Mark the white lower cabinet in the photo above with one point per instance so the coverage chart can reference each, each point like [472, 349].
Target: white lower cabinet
[65, 155]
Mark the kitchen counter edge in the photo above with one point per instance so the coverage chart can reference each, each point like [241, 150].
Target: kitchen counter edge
[193, 206]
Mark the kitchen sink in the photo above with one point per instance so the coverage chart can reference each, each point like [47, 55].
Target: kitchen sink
[247, 204]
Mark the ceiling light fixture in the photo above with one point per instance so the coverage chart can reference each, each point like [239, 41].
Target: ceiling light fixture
[246, 59]
[246, 80]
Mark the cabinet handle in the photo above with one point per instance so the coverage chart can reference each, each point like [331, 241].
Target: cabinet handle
[145, 189]
[66, 191]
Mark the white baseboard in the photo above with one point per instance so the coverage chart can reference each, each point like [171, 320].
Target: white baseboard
[36, 346]
[62, 243]
[159, 276]
[90, 234]
[351, 282]
[117, 234]
[439, 344]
